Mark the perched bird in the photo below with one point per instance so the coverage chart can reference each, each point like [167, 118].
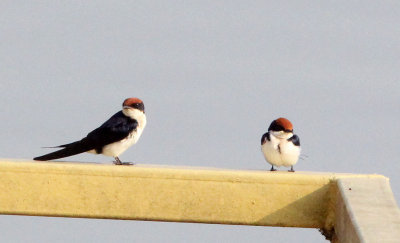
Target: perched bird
[279, 145]
[112, 138]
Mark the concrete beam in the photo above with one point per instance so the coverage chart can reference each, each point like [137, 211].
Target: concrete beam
[200, 195]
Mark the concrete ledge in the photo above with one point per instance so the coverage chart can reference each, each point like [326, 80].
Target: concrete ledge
[201, 195]
[366, 211]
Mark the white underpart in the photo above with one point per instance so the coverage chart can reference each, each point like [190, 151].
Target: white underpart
[289, 153]
[117, 148]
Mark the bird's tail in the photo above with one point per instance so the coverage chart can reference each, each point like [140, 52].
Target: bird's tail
[68, 150]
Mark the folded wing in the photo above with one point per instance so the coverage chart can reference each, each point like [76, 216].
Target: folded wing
[114, 129]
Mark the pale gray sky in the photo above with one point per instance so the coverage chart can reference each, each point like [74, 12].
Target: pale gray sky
[212, 75]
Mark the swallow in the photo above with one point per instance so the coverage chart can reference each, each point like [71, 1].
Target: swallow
[112, 138]
[279, 145]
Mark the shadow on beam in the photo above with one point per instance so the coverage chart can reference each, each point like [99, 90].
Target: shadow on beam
[314, 206]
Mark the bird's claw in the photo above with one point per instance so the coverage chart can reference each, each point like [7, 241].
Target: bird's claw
[122, 163]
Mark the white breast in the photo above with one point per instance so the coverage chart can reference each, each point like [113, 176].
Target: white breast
[117, 148]
[288, 155]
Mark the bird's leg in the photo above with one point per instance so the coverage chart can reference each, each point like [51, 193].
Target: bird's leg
[272, 169]
[118, 162]
[291, 169]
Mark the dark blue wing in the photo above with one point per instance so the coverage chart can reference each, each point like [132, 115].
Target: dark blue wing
[114, 129]
[295, 139]
[264, 138]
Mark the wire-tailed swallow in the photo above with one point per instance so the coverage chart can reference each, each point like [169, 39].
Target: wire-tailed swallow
[112, 138]
[279, 145]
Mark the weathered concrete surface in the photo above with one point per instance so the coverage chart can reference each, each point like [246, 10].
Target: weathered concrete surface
[165, 193]
[366, 211]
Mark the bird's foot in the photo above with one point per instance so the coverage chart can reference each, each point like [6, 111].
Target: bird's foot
[123, 163]
[119, 162]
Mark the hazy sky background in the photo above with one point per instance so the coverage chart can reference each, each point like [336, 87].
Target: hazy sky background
[212, 76]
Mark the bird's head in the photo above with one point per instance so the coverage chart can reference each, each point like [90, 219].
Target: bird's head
[281, 127]
[131, 106]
